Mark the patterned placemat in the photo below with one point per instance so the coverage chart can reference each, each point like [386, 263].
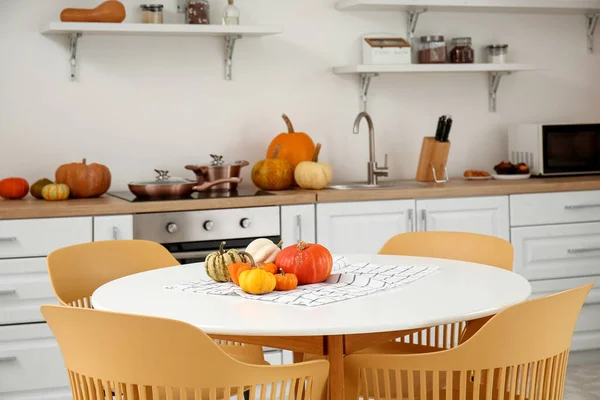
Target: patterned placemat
[347, 281]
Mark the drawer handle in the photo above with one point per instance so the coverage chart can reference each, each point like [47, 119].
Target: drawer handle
[8, 292]
[8, 239]
[588, 250]
[8, 359]
[581, 206]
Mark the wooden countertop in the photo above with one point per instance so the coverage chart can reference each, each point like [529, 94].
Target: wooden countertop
[457, 187]
[108, 205]
[460, 187]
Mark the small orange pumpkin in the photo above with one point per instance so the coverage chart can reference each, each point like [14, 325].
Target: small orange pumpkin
[236, 269]
[13, 188]
[295, 146]
[285, 282]
[273, 173]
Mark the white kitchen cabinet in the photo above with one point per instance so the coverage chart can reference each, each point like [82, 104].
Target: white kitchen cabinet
[113, 227]
[362, 227]
[557, 251]
[554, 208]
[298, 223]
[38, 237]
[24, 287]
[485, 215]
[31, 364]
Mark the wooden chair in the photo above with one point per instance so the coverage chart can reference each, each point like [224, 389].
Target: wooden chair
[521, 352]
[77, 271]
[471, 247]
[136, 357]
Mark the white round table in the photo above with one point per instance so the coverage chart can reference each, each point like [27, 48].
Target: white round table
[457, 291]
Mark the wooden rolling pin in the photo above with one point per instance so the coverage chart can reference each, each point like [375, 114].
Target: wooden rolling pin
[109, 11]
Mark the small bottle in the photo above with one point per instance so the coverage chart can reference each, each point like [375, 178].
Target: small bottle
[231, 14]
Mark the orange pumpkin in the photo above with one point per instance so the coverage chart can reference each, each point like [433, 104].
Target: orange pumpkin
[311, 263]
[284, 282]
[13, 188]
[236, 269]
[273, 173]
[84, 180]
[294, 146]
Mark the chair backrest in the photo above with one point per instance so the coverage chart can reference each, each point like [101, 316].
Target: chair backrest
[523, 349]
[77, 271]
[472, 247]
[146, 357]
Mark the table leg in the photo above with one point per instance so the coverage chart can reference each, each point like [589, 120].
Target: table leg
[298, 357]
[335, 354]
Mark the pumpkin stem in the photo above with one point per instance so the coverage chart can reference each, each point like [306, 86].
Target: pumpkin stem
[281, 271]
[252, 263]
[288, 122]
[84, 162]
[317, 151]
[302, 245]
[280, 243]
[222, 248]
[276, 152]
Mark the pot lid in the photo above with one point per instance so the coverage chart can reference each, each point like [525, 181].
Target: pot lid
[163, 179]
[217, 161]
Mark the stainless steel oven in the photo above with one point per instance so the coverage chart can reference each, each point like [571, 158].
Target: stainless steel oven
[191, 235]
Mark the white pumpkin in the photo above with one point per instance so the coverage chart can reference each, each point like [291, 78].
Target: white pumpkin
[263, 250]
[313, 174]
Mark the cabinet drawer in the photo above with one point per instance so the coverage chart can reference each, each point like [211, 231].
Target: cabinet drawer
[24, 287]
[554, 208]
[38, 237]
[558, 251]
[30, 360]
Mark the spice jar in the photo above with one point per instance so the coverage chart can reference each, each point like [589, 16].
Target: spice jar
[461, 51]
[198, 12]
[152, 13]
[432, 50]
[497, 53]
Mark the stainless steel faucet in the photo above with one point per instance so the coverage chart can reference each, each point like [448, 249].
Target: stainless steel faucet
[373, 170]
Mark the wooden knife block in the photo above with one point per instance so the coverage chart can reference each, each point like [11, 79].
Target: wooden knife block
[433, 153]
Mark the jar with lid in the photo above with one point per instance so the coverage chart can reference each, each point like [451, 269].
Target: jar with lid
[198, 12]
[432, 50]
[461, 51]
[497, 53]
[152, 13]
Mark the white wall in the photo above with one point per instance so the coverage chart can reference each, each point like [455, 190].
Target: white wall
[161, 102]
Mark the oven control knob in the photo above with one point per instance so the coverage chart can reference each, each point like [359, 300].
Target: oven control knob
[208, 225]
[172, 227]
[245, 223]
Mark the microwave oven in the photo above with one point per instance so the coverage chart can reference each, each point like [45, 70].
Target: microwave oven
[556, 149]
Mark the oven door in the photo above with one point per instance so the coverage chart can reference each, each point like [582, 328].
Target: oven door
[195, 252]
[571, 149]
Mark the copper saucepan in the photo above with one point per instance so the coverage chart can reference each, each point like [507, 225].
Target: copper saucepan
[166, 187]
[218, 174]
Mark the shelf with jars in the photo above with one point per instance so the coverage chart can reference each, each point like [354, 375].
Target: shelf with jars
[590, 9]
[495, 73]
[230, 33]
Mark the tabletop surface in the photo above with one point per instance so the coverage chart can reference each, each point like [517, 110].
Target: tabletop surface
[457, 291]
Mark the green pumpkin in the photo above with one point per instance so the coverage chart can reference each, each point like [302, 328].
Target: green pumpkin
[216, 263]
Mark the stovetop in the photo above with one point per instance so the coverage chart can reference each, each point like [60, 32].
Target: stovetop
[206, 194]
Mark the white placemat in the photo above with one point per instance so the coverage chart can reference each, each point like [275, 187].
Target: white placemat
[347, 281]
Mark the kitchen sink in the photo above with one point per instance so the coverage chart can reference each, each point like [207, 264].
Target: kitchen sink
[380, 185]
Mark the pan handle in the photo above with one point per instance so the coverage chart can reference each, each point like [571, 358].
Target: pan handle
[207, 185]
[242, 163]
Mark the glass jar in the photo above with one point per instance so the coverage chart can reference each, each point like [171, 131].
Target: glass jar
[461, 51]
[497, 53]
[198, 12]
[231, 14]
[432, 50]
[152, 13]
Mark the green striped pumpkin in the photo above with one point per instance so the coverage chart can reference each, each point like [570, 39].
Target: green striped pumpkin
[216, 263]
